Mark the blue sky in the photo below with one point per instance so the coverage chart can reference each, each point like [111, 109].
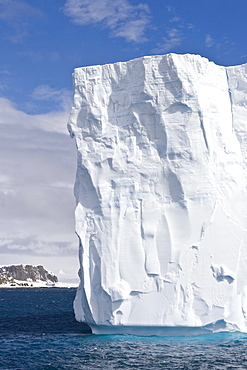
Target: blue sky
[41, 42]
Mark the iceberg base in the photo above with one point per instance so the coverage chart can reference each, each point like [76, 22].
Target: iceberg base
[174, 331]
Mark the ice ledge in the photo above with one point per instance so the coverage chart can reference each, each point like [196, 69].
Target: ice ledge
[174, 331]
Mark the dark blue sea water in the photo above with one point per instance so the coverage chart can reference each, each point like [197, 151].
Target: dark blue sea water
[38, 331]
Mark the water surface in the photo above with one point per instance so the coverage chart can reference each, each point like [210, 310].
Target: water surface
[38, 331]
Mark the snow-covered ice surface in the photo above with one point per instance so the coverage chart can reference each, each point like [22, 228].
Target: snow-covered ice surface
[161, 195]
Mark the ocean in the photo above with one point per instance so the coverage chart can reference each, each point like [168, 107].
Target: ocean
[38, 331]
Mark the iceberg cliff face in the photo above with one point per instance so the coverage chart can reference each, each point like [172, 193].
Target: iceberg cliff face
[161, 194]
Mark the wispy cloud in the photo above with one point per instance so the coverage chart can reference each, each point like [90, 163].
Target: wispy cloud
[38, 247]
[177, 30]
[16, 14]
[54, 121]
[38, 56]
[209, 41]
[46, 93]
[121, 17]
[14, 10]
[174, 19]
[170, 9]
[173, 39]
[222, 47]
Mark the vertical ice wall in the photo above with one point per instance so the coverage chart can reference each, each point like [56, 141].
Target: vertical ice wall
[161, 193]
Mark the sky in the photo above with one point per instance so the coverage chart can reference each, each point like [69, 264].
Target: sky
[41, 42]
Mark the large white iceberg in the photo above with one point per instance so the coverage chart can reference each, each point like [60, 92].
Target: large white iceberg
[161, 195]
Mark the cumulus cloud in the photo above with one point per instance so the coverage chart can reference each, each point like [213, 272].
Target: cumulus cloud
[121, 17]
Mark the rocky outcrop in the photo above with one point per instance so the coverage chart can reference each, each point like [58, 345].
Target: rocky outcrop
[15, 274]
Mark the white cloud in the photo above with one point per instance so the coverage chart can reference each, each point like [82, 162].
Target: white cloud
[52, 121]
[174, 19]
[4, 242]
[190, 26]
[173, 39]
[5, 72]
[17, 247]
[209, 41]
[12, 10]
[121, 17]
[169, 8]
[40, 247]
[4, 179]
[16, 14]
[46, 93]
[37, 167]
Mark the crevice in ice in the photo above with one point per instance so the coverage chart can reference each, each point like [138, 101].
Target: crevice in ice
[110, 163]
[82, 308]
[173, 155]
[222, 273]
[86, 192]
[179, 107]
[203, 130]
[176, 189]
[195, 246]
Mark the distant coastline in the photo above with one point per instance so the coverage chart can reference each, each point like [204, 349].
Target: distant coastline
[29, 276]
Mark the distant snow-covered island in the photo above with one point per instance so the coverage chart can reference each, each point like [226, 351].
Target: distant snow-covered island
[29, 276]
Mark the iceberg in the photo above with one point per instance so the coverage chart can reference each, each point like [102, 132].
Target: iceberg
[161, 197]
